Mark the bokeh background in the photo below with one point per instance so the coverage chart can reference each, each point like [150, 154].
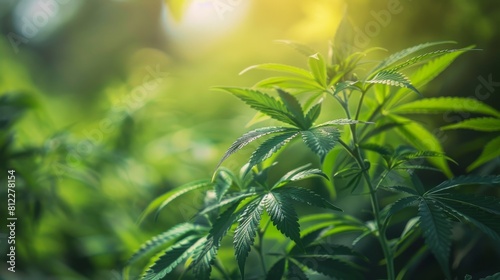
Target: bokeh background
[106, 104]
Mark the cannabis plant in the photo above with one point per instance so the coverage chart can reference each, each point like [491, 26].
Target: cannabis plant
[372, 152]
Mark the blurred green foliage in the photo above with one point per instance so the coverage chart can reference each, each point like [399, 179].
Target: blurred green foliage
[108, 104]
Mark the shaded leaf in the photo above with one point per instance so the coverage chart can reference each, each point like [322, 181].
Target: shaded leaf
[162, 239]
[495, 276]
[271, 146]
[381, 150]
[205, 256]
[228, 200]
[306, 196]
[245, 232]
[484, 221]
[465, 180]
[326, 250]
[172, 257]
[251, 136]
[293, 106]
[334, 268]
[283, 215]
[313, 114]
[295, 272]
[436, 229]
[203, 262]
[277, 270]
[223, 182]
[263, 103]
[485, 203]
[300, 173]
[402, 203]
[321, 139]
[403, 190]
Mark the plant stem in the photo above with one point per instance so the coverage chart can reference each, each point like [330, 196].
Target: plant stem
[221, 269]
[261, 233]
[358, 156]
[358, 110]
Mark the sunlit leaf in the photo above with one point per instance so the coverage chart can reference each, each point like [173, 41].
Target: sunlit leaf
[162, 201]
[440, 105]
[424, 140]
[478, 124]
[340, 122]
[290, 82]
[280, 68]
[177, 8]
[392, 78]
[301, 48]
[317, 66]
[490, 152]
[392, 59]
[433, 68]
[351, 85]
[423, 57]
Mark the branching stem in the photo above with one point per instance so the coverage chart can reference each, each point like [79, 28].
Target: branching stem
[356, 153]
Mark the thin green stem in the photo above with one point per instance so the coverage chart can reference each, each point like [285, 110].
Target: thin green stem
[376, 213]
[260, 246]
[218, 265]
[355, 152]
[358, 110]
